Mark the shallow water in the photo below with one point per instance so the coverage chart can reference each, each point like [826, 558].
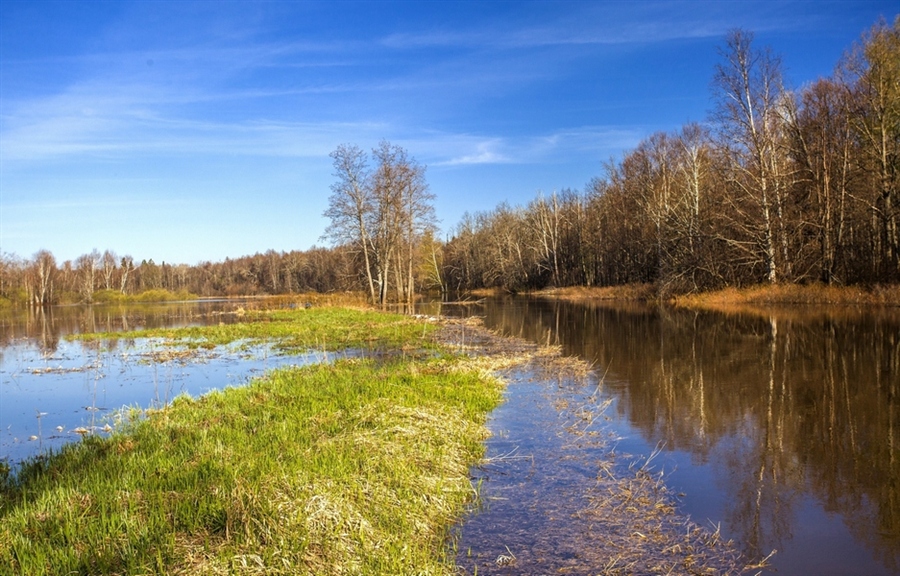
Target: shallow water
[52, 391]
[782, 428]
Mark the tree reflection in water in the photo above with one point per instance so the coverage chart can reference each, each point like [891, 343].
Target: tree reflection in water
[791, 410]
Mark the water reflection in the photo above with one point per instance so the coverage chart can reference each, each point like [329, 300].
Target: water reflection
[43, 327]
[52, 389]
[791, 415]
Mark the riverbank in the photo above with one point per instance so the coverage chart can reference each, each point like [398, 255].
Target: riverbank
[728, 298]
[354, 466]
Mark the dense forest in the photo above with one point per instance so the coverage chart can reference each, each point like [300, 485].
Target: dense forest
[776, 186]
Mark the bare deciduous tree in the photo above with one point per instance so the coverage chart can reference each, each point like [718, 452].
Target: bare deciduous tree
[350, 205]
[871, 71]
[383, 213]
[44, 273]
[750, 124]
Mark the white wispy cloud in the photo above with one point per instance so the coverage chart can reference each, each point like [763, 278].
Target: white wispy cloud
[452, 150]
[468, 150]
[598, 24]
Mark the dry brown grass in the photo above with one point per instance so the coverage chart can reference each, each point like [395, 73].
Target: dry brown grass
[629, 523]
[170, 355]
[729, 298]
[625, 293]
[640, 531]
[778, 294]
[797, 302]
[487, 292]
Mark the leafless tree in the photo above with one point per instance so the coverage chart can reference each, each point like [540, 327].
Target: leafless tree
[381, 212]
[108, 267]
[43, 274]
[126, 266]
[87, 266]
[871, 71]
[350, 206]
[750, 123]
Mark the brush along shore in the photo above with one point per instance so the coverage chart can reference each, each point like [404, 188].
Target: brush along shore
[358, 466]
[728, 299]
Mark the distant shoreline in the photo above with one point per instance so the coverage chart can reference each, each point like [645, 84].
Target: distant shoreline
[760, 295]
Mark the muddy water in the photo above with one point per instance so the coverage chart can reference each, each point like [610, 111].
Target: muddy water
[781, 427]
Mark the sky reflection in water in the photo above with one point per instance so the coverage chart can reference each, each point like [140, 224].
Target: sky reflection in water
[51, 387]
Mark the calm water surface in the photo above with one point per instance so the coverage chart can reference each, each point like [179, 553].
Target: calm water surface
[782, 427]
[52, 389]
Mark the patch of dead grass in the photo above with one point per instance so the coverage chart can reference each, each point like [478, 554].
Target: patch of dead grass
[633, 523]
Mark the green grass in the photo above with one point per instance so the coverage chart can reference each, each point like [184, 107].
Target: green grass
[155, 295]
[298, 331]
[357, 467]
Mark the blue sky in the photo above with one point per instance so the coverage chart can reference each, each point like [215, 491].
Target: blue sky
[191, 131]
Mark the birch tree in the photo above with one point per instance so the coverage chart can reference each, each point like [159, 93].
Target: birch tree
[872, 72]
[382, 212]
[350, 206]
[750, 124]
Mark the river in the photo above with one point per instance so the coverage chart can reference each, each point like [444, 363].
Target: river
[781, 427]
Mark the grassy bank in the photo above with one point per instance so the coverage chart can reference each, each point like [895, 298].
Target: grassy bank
[627, 293]
[296, 330]
[353, 467]
[788, 294]
[763, 295]
[157, 295]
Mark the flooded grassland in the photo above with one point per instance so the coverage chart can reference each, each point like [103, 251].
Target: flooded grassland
[358, 465]
[633, 440]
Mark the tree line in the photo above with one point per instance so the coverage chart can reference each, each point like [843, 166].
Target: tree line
[41, 280]
[777, 185]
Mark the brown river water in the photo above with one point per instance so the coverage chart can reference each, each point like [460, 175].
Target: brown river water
[781, 428]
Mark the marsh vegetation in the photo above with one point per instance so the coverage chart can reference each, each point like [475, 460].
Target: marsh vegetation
[356, 465]
[359, 465]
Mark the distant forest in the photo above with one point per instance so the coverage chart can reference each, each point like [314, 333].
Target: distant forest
[776, 186]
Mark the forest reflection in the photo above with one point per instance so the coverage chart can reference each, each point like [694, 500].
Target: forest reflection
[784, 404]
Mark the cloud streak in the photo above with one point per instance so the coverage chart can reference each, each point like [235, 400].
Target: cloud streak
[597, 25]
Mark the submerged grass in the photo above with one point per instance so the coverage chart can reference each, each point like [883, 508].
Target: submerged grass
[297, 330]
[355, 467]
